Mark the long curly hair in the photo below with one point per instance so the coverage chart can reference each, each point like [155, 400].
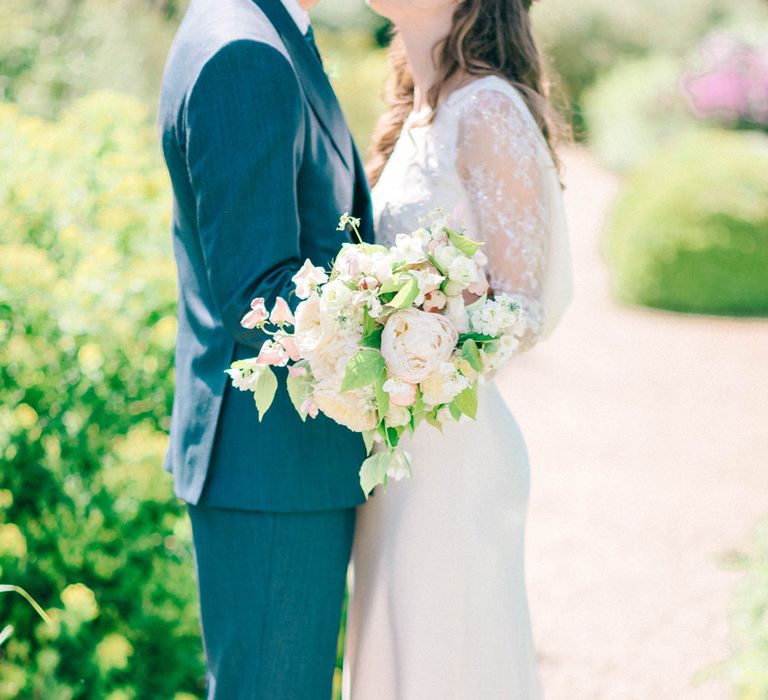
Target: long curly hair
[487, 37]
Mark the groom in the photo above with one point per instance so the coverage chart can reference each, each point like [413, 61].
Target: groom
[262, 165]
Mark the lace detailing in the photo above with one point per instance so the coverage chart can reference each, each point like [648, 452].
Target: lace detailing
[498, 151]
[485, 155]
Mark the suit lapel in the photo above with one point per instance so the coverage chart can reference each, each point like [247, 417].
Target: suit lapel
[312, 77]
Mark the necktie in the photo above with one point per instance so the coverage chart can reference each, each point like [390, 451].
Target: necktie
[310, 38]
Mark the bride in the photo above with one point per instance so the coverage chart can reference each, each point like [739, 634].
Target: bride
[438, 607]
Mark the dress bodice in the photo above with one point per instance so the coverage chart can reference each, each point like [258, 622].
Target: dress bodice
[483, 159]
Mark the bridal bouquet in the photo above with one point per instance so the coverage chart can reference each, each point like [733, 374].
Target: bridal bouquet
[386, 341]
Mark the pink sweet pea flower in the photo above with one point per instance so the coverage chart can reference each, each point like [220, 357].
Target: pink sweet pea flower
[310, 407]
[281, 315]
[307, 279]
[479, 286]
[256, 316]
[273, 354]
[289, 345]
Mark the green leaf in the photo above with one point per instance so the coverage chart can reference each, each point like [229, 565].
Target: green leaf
[374, 471]
[393, 284]
[369, 324]
[372, 339]
[419, 406]
[477, 337]
[404, 298]
[464, 244]
[299, 390]
[436, 264]
[382, 397]
[433, 421]
[455, 410]
[471, 354]
[393, 436]
[362, 369]
[466, 401]
[264, 392]
[368, 439]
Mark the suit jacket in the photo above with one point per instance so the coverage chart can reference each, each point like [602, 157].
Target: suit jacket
[262, 165]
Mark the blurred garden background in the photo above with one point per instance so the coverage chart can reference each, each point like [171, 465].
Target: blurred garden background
[648, 543]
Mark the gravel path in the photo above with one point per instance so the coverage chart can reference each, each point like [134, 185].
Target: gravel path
[648, 435]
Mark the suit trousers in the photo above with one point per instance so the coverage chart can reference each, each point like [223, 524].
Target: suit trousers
[271, 590]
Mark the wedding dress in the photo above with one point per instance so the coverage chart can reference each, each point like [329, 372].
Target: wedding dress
[438, 607]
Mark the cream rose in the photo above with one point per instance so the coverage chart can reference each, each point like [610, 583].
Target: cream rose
[415, 343]
[352, 409]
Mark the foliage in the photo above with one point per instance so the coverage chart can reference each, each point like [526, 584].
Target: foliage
[634, 109]
[54, 51]
[354, 16]
[748, 667]
[88, 523]
[690, 231]
[358, 69]
[585, 39]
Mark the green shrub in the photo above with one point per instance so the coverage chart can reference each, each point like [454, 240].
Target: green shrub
[585, 39]
[690, 230]
[88, 522]
[635, 108]
[748, 667]
[54, 51]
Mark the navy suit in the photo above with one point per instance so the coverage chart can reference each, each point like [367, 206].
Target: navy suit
[262, 165]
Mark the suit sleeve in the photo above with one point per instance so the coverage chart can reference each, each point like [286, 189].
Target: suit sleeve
[244, 130]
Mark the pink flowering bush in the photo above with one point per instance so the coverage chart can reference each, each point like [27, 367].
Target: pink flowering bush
[727, 81]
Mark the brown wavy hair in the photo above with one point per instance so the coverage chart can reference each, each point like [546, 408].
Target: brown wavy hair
[487, 37]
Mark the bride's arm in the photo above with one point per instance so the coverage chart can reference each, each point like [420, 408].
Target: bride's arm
[498, 161]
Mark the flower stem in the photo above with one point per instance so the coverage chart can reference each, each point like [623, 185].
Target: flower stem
[353, 226]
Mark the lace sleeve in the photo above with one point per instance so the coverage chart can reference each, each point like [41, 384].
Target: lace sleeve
[498, 161]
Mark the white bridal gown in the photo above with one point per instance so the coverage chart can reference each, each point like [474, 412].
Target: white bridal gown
[438, 607]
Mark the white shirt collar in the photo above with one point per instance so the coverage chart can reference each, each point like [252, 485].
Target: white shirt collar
[300, 16]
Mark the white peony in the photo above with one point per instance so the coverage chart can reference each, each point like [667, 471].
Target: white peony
[415, 343]
[443, 385]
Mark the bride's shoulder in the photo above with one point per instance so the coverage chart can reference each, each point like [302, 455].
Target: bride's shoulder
[485, 90]
[489, 98]
[490, 102]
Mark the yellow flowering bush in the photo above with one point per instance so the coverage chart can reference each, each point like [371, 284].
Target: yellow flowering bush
[88, 522]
